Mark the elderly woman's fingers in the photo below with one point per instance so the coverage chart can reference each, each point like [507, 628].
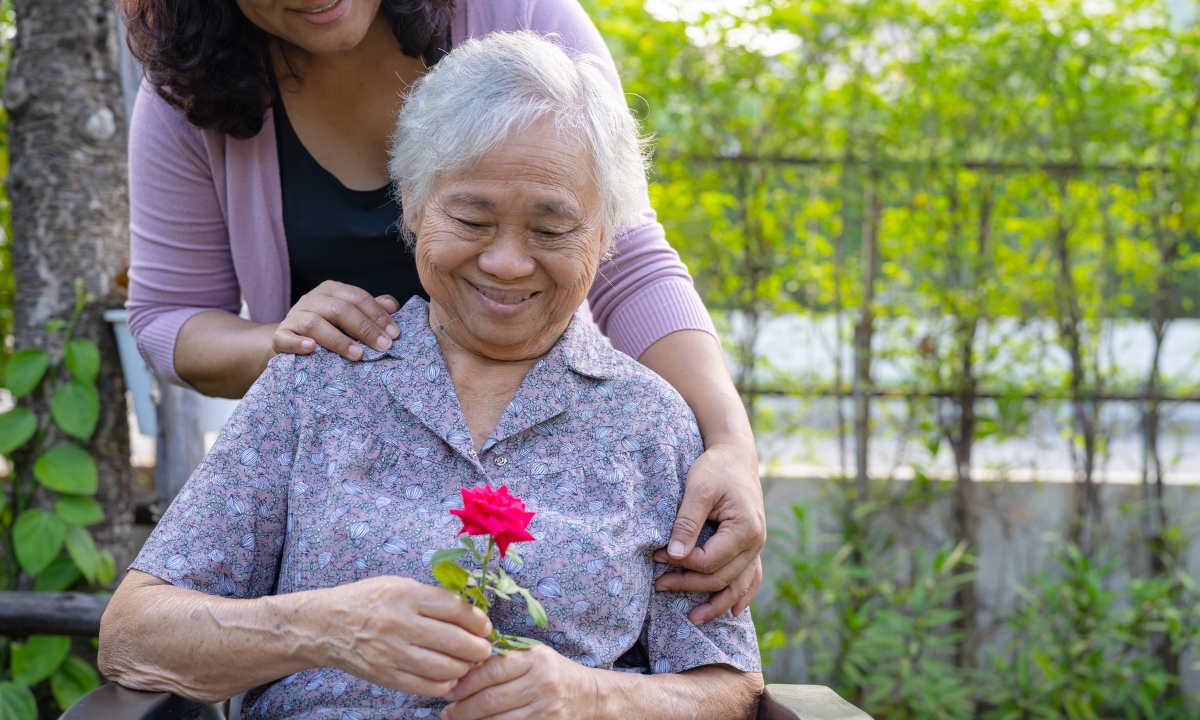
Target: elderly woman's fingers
[452, 641]
[497, 670]
[440, 604]
[435, 665]
[413, 684]
[736, 597]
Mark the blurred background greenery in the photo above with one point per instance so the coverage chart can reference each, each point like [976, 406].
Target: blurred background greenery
[952, 246]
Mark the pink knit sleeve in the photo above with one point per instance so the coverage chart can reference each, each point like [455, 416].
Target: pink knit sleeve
[645, 292]
[180, 259]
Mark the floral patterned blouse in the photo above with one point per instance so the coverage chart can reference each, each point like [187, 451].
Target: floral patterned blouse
[332, 471]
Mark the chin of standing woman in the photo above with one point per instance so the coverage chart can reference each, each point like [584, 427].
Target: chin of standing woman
[258, 167]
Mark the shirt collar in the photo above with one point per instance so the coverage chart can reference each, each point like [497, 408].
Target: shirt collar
[431, 398]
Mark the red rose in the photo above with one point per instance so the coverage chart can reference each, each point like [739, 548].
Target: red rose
[494, 512]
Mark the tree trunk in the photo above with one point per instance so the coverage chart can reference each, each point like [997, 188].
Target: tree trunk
[70, 210]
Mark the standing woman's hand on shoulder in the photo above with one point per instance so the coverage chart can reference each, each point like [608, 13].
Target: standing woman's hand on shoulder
[333, 316]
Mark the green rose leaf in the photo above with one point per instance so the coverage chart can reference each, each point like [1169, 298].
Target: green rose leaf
[83, 359]
[534, 608]
[16, 427]
[36, 659]
[447, 555]
[59, 575]
[506, 584]
[467, 541]
[38, 536]
[72, 680]
[76, 408]
[25, 371]
[451, 576]
[82, 549]
[79, 510]
[16, 702]
[67, 469]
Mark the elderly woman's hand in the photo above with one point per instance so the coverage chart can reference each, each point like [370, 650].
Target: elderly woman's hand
[398, 633]
[333, 315]
[535, 683]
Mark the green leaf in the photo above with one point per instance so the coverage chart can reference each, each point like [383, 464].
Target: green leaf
[37, 536]
[451, 576]
[447, 555]
[79, 510]
[34, 661]
[516, 642]
[67, 469]
[83, 359]
[25, 371]
[59, 575]
[513, 554]
[82, 549]
[534, 608]
[16, 702]
[108, 568]
[72, 680]
[16, 427]
[506, 584]
[467, 542]
[76, 408]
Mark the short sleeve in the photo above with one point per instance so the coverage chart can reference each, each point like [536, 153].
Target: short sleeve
[673, 644]
[224, 533]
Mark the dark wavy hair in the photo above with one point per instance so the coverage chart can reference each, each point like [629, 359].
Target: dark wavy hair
[206, 58]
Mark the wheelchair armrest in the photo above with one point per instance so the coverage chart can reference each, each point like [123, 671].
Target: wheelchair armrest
[113, 702]
[805, 702]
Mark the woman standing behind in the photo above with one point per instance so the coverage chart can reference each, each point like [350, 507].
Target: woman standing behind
[258, 173]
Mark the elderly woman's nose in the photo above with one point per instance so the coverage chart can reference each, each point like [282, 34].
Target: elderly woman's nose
[507, 258]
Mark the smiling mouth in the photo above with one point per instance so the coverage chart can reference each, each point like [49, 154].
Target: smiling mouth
[324, 8]
[504, 299]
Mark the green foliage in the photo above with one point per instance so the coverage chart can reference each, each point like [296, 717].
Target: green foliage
[59, 407]
[876, 623]
[37, 536]
[38, 657]
[1081, 648]
[16, 702]
[478, 587]
[67, 468]
[72, 680]
[874, 617]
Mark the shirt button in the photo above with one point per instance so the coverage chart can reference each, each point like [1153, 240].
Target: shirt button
[501, 461]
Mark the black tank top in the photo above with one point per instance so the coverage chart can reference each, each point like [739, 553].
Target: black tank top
[335, 233]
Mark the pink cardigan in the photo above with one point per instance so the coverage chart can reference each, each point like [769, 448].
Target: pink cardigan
[206, 218]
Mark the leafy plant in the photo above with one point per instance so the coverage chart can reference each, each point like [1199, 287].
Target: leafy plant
[48, 503]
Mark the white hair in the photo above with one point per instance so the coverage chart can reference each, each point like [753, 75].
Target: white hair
[489, 88]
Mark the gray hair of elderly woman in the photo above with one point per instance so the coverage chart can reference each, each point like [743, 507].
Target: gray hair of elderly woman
[487, 89]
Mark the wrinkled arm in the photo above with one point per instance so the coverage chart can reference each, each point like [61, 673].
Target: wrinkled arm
[155, 636]
[711, 692]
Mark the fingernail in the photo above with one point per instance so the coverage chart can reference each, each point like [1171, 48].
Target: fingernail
[307, 344]
[392, 331]
[355, 352]
[382, 343]
[659, 588]
[675, 549]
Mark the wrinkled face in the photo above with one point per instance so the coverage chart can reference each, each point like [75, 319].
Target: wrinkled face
[317, 26]
[508, 250]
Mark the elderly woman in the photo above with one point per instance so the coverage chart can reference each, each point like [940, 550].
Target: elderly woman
[296, 560]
